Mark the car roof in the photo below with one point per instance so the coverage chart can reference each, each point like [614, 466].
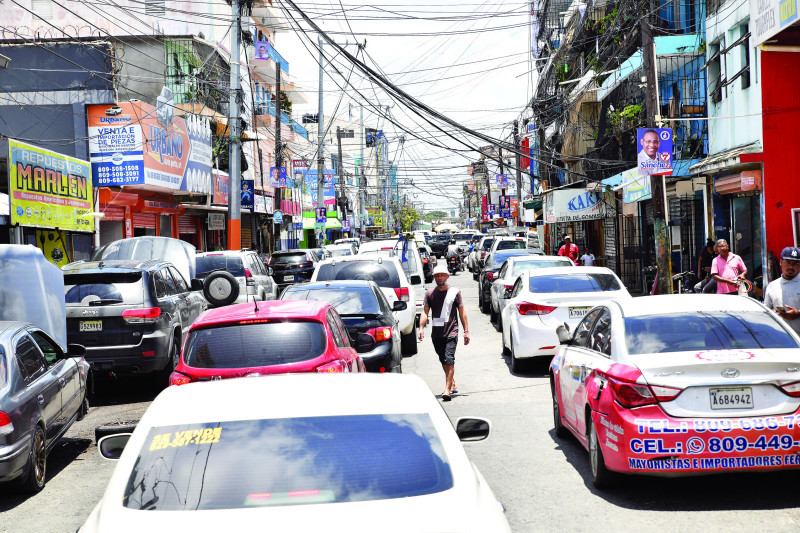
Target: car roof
[338, 284]
[293, 251]
[274, 309]
[509, 238]
[552, 258]
[113, 265]
[226, 252]
[686, 303]
[351, 258]
[551, 271]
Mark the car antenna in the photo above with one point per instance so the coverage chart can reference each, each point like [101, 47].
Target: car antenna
[255, 303]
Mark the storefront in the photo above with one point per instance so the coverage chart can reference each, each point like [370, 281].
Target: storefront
[578, 213]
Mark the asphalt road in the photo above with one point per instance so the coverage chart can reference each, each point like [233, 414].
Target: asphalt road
[543, 481]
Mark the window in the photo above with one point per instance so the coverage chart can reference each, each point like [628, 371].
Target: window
[180, 283]
[165, 287]
[744, 52]
[716, 67]
[343, 329]
[503, 270]
[105, 289]
[30, 360]
[337, 335]
[581, 336]
[384, 274]
[574, 283]
[601, 334]
[230, 263]
[42, 8]
[3, 368]
[346, 300]
[48, 348]
[517, 287]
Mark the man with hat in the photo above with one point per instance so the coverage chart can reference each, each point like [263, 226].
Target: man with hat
[569, 250]
[783, 294]
[447, 306]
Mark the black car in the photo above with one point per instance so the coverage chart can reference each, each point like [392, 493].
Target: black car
[292, 266]
[439, 244]
[427, 265]
[492, 264]
[367, 315]
[131, 316]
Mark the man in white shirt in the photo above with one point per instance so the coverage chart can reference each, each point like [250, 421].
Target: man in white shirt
[783, 294]
[587, 258]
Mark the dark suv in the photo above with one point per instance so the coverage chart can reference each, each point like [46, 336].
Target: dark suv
[439, 244]
[130, 315]
[292, 266]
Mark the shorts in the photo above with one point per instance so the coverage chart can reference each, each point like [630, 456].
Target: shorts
[445, 349]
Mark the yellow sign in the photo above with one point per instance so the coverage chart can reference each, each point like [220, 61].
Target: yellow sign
[184, 438]
[377, 221]
[48, 189]
[54, 246]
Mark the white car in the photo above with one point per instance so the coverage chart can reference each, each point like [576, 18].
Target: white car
[355, 241]
[387, 272]
[543, 299]
[503, 281]
[353, 453]
[255, 283]
[340, 250]
[508, 243]
[412, 266]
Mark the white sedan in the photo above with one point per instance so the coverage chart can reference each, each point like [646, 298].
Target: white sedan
[541, 300]
[300, 453]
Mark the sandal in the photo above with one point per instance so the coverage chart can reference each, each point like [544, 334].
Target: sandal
[446, 397]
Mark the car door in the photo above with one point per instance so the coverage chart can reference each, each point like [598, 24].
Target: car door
[338, 340]
[573, 363]
[191, 305]
[352, 355]
[499, 284]
[595, 356]
[168, 299]
[509, 312]
[42, 388]
[65, 370]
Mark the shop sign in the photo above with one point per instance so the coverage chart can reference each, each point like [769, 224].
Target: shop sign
[48, 189]
[769, 17]
[655, 151]
[278, 217]
[299, 163]
[247, 194]
[260, 204]
[135, 143]
[573, 205]
[216, 221]
[636, 188]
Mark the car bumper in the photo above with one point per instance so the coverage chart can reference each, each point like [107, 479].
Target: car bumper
[647, 441]
[379, 357]
[131, 359]
[532, 339]
[14, 457]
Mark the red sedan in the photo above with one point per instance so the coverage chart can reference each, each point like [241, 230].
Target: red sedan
[275, 337]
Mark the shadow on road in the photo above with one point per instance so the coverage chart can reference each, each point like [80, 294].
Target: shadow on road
[537, 368]
[123, 390]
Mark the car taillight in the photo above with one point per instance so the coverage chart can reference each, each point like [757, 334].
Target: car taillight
[6, 427]
[305, 265]
[629, 394]
[490, 276]
[483, 254]
[425, 260]
[792, 389]
[526, 308]
[148, 315]
[402, 294]
[380, 334]
[176, 378]
[248, 277]
[333, 366]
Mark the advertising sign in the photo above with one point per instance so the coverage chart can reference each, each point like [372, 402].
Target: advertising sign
[505, 206]
[216, 221]
[502, 181]
[248, 194]
[299, 163]
[135, 143]
[260, 203]
[573, 205]
[329, 190]
[262, 50]
[277, 218]
[636, 188]
[655, 151]
[221, 182]
[769, 17]
[48, 189]
[277, 177]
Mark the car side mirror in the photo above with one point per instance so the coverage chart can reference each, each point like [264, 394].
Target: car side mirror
[399, 305]
[472, 429]
[197, 284]
[76, 350]
[416, 279]
[564, 336]
[111, 446]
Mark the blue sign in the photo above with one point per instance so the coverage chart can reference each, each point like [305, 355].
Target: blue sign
[345, 225]
[490, 209]
[329, 188]
[502, 181]
[322, 215]
[505, 206]
[277, 218]
[277, 177]
[248, 194]
[655, 151]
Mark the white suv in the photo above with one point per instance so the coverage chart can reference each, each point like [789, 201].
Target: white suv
[253, 278]
[412, 266]
[388, 274]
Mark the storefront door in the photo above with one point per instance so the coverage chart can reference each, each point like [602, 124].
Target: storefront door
[746, 235]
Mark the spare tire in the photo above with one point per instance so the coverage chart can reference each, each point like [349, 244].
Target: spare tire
[220, 288]
[114, 428]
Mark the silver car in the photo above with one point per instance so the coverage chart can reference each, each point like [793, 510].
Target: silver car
[253, 279]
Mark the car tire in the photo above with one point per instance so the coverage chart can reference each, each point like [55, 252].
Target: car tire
[474, 276]
[499, 322]
[492, 315]
[560, 430]
[484, 305]
[602, 477]
[220, 288]
[37, 463]
[408, 343]
[84, 410]
[114, 428]
[516, 364]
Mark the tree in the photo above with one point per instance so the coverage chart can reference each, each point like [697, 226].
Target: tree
[434, 215]
[408, 215]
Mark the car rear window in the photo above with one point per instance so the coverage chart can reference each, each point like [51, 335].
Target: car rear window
[288, 461]
[384, 274]
[104, 289]
[522, 266]
[511, 245]
[577, 282]
[340, 252]
[463, 236]
[346, 300]
[288, 259]
[249, 345]
[702, 331]
[209, 263]
[499, 258]
[487, 244]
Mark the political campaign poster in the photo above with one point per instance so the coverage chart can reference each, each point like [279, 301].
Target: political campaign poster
[277, 177]
[248, 194]
[655, 151]
[329, 187]
[262, 49]
[322, 214]
[48, 189]
[502, 181]
[635, 187]
[135, 143]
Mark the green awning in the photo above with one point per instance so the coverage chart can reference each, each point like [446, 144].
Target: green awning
[331, 223]
[532, 204]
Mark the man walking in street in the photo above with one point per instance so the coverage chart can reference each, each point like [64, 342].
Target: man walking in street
[447, 306]
[569, 250]
[728, 269]
[783, 294]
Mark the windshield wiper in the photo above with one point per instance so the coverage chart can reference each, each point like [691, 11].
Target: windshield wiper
[105, 301]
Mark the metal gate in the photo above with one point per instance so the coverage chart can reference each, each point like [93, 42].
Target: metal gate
[683, 213]
[632, 254]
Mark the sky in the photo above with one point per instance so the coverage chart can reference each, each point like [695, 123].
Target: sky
[467, 60]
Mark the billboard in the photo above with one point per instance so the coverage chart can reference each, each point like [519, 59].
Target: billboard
[655, 151]
[48, 189]
[770, 17]
[329, 190]
[135, 143]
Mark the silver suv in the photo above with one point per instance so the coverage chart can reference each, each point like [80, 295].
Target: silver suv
[251, 279]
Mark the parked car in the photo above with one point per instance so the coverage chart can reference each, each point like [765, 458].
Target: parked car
[492, 264]
[476, 258]
[292, 266]
[543, 299]
[687, 384]
[301, 452]
[388, 274]
[340, 250]
[253, 281]
[508, 243]
[131, 316]
[439, 243]
[463, 240]
[44, 381]
[354, 241]
[368, 316]
[407, 252]
[428, 261]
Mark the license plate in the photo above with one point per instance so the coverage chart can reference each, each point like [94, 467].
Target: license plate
[90, 325]
[578, 312]
[731, 398]
[288, 278]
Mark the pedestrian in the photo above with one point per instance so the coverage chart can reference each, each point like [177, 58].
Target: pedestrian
[728, 269]
[569, 250]
[783, 294]
[706, 256]
[447, 306]
[588, 258]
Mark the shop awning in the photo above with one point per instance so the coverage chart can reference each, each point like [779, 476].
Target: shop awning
[330, 223]
[723, 160]
[532, 204]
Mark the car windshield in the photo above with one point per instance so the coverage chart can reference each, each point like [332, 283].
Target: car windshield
[288, 259]
[287, 461]
[511, 245]
[499, 258]
[701, 331]
[249, 345]
[209, 263]
[574, 282]
[346, 300]
[522, 266]
[339, 252]
[384, 274]
[104, 289]
[462, 236]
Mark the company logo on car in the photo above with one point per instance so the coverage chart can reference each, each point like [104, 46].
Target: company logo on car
[729, 373]
[90, 312]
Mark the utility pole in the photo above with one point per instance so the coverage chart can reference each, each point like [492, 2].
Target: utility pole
[363, 177]
[660, 228]
[320, 144]
[342, 197]
[517, 147]
[278, 148]
[234, 146]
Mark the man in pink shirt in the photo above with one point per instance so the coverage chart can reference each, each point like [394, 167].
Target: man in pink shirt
[728, 269]
[569, 250]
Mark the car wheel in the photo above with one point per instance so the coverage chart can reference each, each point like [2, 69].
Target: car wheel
[220, 288]
[37, 463]
[560, 429]
[516, 364]
[84, 410]
[408, 343]
[492, 315]
[602, 477]
[114, 428]
[474, 275]
[484, 305]
[499, 323]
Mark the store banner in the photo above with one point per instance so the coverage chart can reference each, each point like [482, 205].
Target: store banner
[573, 205]
[135, 143]
[221, 183]
[48, 189]
[248, 193]
[635, 187]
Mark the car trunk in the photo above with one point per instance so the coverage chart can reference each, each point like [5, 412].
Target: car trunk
[356, 324]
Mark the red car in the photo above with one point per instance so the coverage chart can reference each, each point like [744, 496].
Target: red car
[276, 337]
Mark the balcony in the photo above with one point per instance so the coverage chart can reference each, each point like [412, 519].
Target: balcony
[267, 108]
[268, 15]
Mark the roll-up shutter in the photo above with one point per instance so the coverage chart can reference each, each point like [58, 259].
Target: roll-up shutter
[144, 220]
[187, 224]
[113, 213]
[247, 230]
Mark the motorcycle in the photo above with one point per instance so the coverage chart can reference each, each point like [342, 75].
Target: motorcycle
[454, 265]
